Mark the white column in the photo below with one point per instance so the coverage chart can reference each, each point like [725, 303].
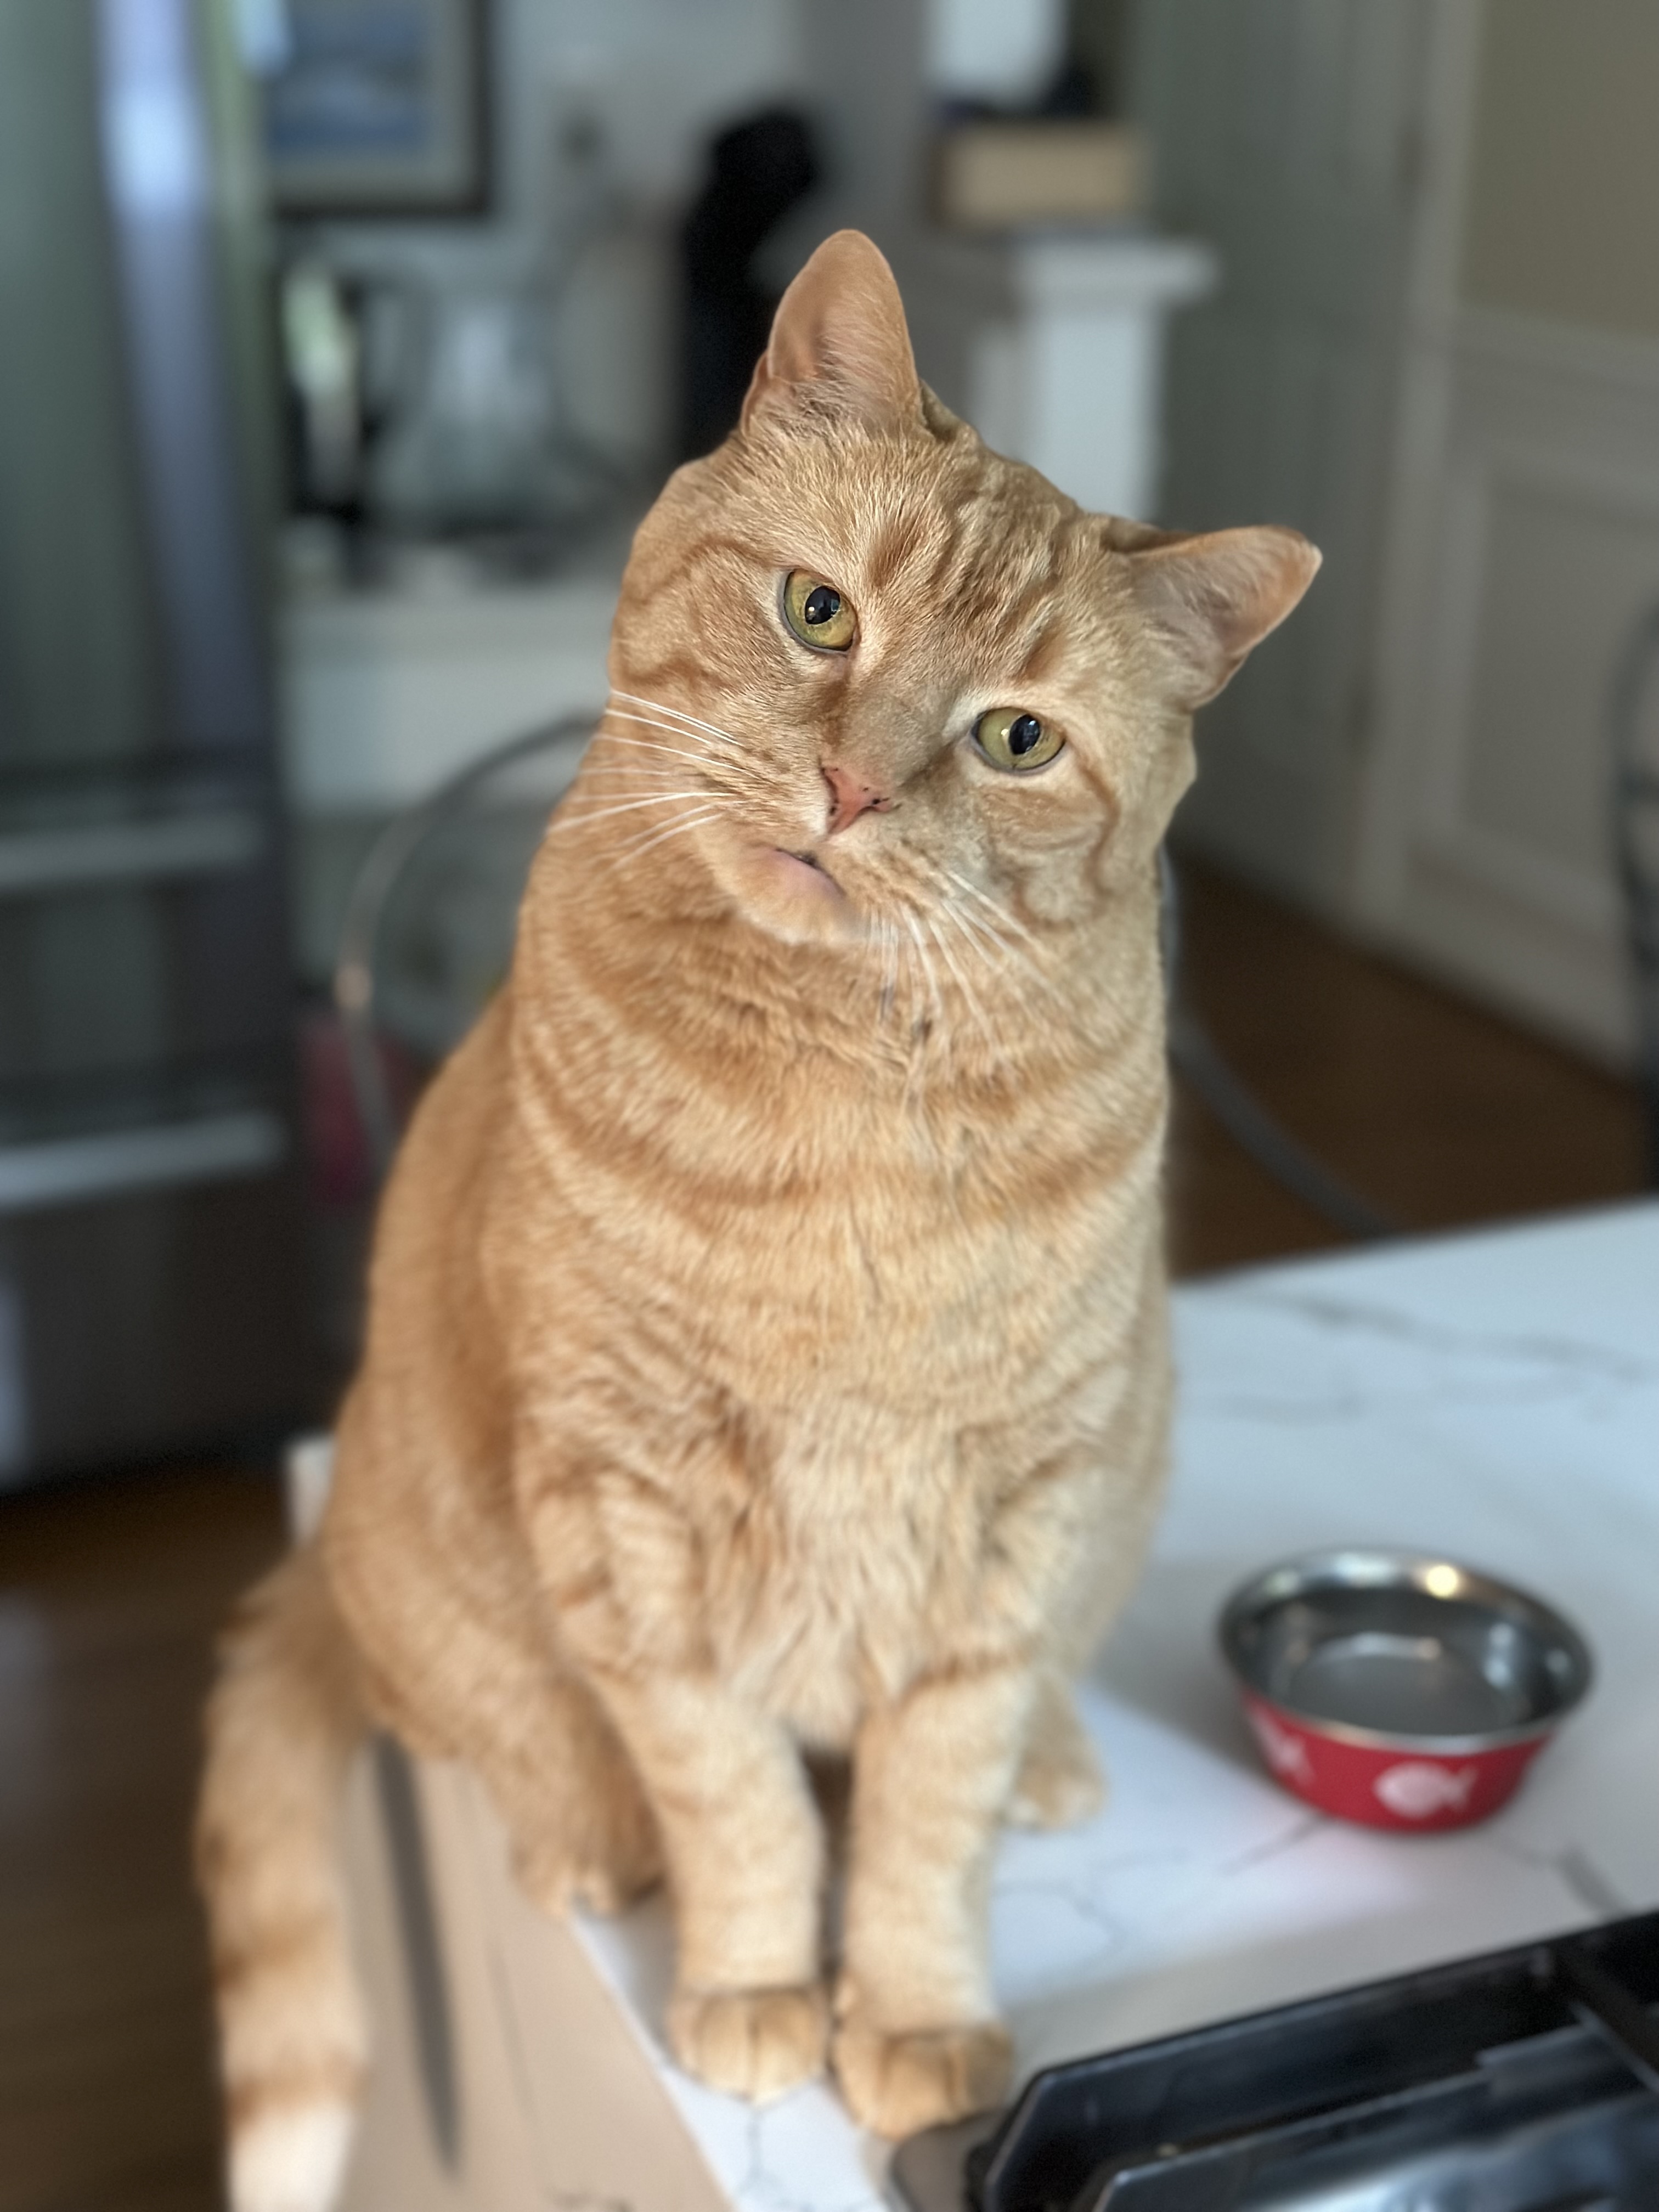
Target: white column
[1071, 380]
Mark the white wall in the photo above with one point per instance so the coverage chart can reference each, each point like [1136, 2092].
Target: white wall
[660, 75]
[1000, 51]
[1280, 134]
[1561, 218]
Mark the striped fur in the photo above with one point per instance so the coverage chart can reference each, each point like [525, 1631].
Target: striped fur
[281, 1723]
[766, 1350]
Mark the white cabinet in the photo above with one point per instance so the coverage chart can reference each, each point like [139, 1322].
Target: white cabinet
[386, 692]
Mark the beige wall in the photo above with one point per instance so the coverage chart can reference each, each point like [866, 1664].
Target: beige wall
[1563, 217]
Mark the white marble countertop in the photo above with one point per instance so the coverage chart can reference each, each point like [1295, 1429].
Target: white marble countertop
[1494, 1397]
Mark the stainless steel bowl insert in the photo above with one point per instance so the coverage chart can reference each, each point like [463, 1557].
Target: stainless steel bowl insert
[1390, 1648]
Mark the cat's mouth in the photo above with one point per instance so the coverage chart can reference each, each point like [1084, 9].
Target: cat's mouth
[791, 892]
[807, 872]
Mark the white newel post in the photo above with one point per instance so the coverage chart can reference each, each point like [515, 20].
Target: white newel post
[1071, 378]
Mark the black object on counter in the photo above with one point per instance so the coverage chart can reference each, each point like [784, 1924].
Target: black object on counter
[1523, 2080]
[758, 169]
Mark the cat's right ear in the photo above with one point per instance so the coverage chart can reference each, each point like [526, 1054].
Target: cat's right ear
[1209, 598]
[840, 332]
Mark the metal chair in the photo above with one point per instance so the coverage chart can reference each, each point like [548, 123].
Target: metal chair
[429, 928]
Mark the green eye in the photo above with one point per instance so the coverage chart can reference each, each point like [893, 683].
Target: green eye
[818, 614]
[1010, 739]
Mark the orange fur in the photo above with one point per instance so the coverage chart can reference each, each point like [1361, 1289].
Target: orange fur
[767, 1348]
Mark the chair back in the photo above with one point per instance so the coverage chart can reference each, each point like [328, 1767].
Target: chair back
[430, 922]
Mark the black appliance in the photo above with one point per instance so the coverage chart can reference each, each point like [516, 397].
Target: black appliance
[1523, 2081]
[757, 170]
[150, 1216]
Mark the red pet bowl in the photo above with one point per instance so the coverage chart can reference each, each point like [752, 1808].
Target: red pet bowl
[1405, 1692]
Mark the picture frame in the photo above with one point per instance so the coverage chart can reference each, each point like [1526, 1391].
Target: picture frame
[377, 109]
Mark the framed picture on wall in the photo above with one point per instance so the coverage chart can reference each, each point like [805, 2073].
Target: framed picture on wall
[377, 107]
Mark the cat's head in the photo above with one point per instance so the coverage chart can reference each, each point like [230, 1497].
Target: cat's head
[866, 671]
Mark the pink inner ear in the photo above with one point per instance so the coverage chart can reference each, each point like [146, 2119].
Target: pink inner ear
[841, 327]
[1214, 597]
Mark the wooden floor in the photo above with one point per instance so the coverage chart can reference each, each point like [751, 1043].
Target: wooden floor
[1440, 1115]
[109, 1591]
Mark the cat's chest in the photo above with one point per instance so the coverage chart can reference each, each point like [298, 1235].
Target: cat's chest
[945, 1283]
[855, 1560]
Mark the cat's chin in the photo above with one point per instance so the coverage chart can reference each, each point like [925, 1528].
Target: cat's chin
[795, 898]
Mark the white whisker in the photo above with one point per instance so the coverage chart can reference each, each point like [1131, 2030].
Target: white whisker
[1004, 947]
[648, 744]
[1002, 915]
[981, 940]
[984, 935]
[963, 985]
[977, 945]
[660, 707]
[992, 953]
[564, 818]
[733, 777]
[889, 934]
[912, 989]
[696, 820]
[745, 764]
[632, 772]
[720, 768]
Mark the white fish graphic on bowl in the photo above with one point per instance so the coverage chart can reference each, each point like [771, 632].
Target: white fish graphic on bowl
[1416, 1790]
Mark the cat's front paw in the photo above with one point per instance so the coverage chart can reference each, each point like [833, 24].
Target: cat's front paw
[895, 2084]
[753, 2043]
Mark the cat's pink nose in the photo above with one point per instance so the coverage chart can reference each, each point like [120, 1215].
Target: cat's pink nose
[850, 796]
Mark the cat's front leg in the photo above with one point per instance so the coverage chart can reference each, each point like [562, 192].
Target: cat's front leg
[917, 2039]
[740, 1831]
[745, 1862]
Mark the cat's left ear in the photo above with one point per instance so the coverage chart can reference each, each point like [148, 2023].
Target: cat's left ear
[1210, 598]
[840, 328]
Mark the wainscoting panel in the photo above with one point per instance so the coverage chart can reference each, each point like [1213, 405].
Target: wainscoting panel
[1484, 840]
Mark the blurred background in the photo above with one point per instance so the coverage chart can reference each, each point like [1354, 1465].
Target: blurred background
[342, 345]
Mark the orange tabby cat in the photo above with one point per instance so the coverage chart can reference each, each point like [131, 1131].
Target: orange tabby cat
[767, 1347]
